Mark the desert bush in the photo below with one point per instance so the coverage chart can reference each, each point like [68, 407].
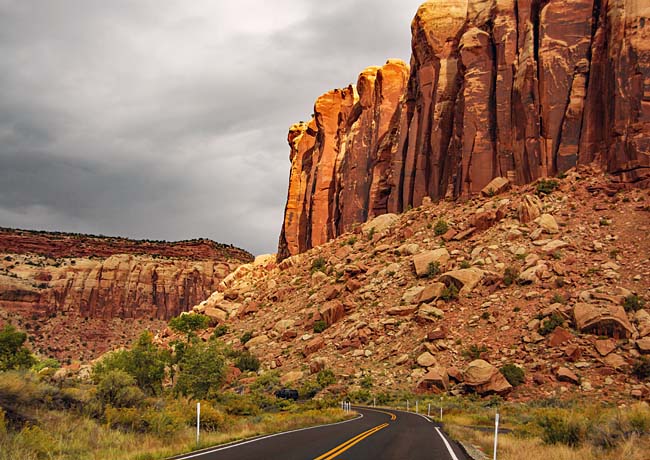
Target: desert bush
[510, 275]
[366, 382]
[246, 336]
[319, 264]
[145, 362]
[474, 351]
[13, 353]
[450, 293]
[269, 382]
[549, 324]
[235, 404]
[633, 303]
[325, 378]
[308, 389]
[247, 362]
[515, 375]
[545, 187]
[560, 429]
[36, 441]
[220, 331]
[125, 419]
[433, 269]
[441, 227]
[320, 326]
[212, 419]
[117, 389]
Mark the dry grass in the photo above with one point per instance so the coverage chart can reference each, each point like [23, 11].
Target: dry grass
[63, 436]
[512, 447]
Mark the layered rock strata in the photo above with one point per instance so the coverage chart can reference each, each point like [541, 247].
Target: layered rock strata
[521, 89]
[46, 274]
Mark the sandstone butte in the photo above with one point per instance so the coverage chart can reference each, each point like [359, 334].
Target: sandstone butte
[86, 278]
[521, 89]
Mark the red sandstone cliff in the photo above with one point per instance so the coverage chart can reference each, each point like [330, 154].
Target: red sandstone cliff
[42, 274]
[515, 88]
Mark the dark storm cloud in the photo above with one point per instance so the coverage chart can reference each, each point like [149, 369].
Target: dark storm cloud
[168, 119]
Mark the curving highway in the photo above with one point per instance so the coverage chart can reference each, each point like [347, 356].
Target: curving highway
[377, 434]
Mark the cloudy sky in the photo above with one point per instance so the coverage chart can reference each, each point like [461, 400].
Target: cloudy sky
[168, 119]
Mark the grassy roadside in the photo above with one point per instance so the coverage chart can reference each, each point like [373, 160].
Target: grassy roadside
[61, 435]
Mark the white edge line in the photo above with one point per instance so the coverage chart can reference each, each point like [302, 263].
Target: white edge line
[451, 451]
[241, 443]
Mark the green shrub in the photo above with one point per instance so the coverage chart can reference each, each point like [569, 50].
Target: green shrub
[549, 324]
[212, 419]
[545, 187]
[474, 351]
[633, 303]
[319, 264]
[366, 382]
[36, 441]
[557, 298]
[320, 326]
[441, 227]
[13, 355]
[246, 336]
[449, 293]
[145, 362]
[351, 241]
[433, 269]
[247, 362]
[325, 378]
[308, 389]
[465, 264]
[561, 430]
[515, 375]
[510, 275]
[220, 331]
[125, 419]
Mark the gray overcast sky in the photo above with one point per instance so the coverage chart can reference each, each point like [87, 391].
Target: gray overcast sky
[168, 119]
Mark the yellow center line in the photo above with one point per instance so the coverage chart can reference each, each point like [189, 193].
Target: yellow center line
[329, 455]
[392, 416]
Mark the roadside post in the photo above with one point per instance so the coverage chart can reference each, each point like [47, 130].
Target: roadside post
[407, 405]
[440, 409]
[374, 402]
[429, 411]
[417, 410]
[198, 423]
[496, 434]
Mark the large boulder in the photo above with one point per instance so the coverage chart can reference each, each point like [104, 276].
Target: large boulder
[496, 186]
[484, 378]
[530, 208]
[435, 380]
[608, 320]
[332, 312]
[465, 279]
[437, 256]
[380, 223]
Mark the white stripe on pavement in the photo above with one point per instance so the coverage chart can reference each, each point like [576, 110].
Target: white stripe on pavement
[451, 451]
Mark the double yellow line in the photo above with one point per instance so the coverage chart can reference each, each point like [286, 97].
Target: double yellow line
[350, 442]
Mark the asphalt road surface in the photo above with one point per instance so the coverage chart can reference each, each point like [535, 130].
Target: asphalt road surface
[378, 434]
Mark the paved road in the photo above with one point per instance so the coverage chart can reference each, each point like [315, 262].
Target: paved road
[376, 435]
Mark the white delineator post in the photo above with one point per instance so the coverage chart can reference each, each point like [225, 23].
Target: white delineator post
[496, 434]
[417, 409]
[441, 409]
[198, 422]
[429, 410]
[407, 405]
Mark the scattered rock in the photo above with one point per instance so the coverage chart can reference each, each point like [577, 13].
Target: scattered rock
[484, 378]
[421, 261]
[566, 375]
[609, 320]
[465, 279]
[497, 186]
[426, 359]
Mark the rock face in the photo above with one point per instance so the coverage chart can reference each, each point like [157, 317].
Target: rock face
[496, 88]
[45, 274]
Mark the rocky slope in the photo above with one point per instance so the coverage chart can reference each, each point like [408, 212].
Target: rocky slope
[67, 288]
[550, 277]
[512, 88]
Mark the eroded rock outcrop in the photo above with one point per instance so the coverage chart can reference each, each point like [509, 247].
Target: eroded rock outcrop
[46, 274]
[496, 88]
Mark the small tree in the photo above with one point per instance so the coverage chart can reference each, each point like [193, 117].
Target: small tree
[13, 355]
[117, 389]
[201, 370]
[189, 324]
